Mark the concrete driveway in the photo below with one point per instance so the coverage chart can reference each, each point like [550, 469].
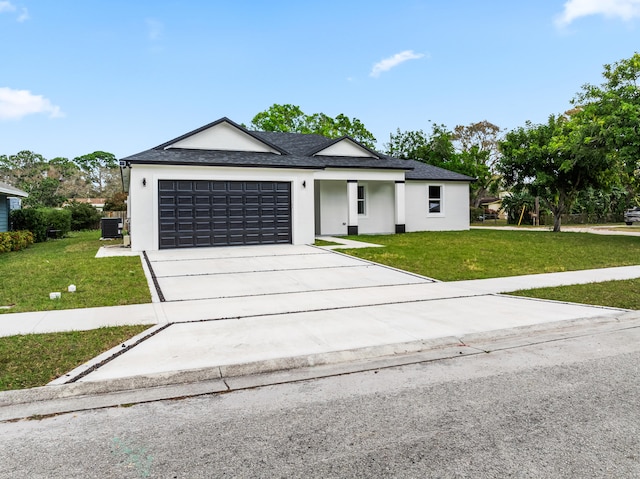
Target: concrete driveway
[211, 273]
[242, 310]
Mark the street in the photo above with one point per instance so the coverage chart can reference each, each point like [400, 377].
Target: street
[563, 408]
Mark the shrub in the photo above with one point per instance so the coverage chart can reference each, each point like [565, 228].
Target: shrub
[30, 219]
[15, 241]
[118, 202]
[83, 216]
[59, 220]
[475, 214]
[40, 220]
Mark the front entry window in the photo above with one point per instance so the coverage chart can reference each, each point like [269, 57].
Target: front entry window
[362, 200]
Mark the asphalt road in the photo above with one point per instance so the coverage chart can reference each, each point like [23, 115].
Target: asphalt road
[567, 408]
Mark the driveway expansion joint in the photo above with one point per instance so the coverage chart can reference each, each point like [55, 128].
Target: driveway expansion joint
[153, 277]
[282, 293]
[116, 351]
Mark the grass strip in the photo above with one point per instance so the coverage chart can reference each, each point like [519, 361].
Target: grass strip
[616, 294]
[32, 360]
[320, 242]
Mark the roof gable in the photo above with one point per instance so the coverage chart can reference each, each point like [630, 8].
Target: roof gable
[222, 135]
[345, 146]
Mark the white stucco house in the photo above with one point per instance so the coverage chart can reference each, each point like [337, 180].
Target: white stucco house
[225, 185]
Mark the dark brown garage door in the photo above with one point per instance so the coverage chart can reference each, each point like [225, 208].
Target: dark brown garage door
[223, 213]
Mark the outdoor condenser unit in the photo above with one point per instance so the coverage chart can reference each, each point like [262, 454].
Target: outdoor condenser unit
[111, 227]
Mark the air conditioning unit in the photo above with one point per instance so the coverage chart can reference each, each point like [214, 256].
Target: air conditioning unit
[111, 228]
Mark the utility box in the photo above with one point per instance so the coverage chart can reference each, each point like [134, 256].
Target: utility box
[111, 228]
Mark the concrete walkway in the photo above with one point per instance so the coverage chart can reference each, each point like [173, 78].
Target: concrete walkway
[290, 306]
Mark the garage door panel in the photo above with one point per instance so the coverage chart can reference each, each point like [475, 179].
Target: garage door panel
[217, 213]
[203, 213]
[202, 185]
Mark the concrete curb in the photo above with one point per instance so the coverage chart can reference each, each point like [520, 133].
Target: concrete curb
[62, 398]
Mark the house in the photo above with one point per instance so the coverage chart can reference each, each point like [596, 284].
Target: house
[97, 203]
[225, 185]
[7, 195]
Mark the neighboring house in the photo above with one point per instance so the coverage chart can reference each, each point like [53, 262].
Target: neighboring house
[97, 203]
[7, 193]
[494, 203]
[225, 185]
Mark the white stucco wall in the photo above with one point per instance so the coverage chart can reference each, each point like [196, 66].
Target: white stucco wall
[345, 148]
[333, 207]
[223, 136]
[380, 202]
[455, 207]
[143, 200]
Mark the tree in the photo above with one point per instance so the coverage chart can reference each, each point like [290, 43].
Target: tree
[439, 149]
[613, 108]
[555, 161]
[479, 142]
[435, 149]
[23, 169]
[32, 173]
[98, 168]
[117, 202]
[290, 118]
[72, 183]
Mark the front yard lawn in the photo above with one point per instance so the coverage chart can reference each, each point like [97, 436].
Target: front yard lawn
[479, 254]
[29, 276]
[32, 360]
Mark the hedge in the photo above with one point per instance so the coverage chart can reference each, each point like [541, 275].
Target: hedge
[31, 219]
[15, 240]
[41, 220]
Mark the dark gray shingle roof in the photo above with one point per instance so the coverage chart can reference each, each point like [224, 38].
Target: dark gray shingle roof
[297, 152]
[423, 171]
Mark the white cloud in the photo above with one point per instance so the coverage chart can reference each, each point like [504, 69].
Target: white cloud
[391, 62]
[7, 7]
[574, 9]
[154, 28]
[24, 15]
[15, 104]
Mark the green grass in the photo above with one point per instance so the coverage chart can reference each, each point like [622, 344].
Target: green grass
[616, 294]
[478, 254]
[36, 359]
[29, 276]
[496, 222]
[320, 242]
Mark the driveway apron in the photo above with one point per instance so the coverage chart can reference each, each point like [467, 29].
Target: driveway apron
[256, 305]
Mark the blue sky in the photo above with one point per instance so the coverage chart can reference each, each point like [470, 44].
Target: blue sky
[124, 76]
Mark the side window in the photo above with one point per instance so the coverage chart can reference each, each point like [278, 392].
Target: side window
[362, 200]
[435, 199]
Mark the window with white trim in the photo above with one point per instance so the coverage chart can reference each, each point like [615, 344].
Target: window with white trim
[362, 200]
[434, 199]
